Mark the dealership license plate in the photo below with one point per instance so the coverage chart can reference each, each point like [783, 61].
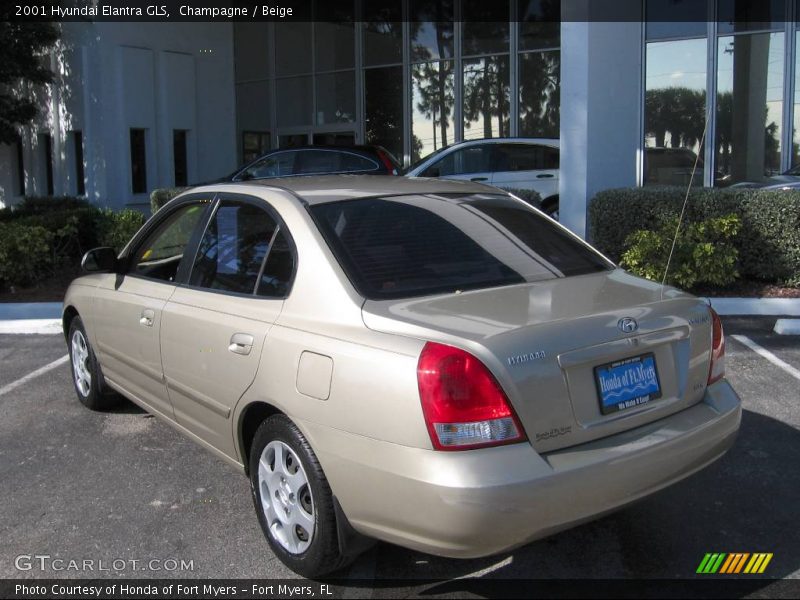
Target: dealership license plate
[627, 383]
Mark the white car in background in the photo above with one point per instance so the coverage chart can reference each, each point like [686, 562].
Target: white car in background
[510, 163]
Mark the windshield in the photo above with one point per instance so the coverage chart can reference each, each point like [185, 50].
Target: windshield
[408, 246]
[423, 159]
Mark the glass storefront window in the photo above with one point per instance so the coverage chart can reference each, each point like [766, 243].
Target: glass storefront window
[294, 101]
[292, 48]
[431, 29]
[335, 46]
[675, 111]
[670, 19]
[750, 15]
[539, 94]
[539, 24]
[383, 108]
[334, 35]
[383, 33]
[749, 107]
[486, 97]
[432, 107]
[485, 28]
[336, 97]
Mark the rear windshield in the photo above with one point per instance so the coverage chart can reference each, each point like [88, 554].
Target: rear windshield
[405, 246]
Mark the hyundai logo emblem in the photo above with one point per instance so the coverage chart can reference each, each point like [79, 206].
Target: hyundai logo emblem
[627, 325]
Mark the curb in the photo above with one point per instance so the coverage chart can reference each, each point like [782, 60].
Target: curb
[787, 327]
[30, 326]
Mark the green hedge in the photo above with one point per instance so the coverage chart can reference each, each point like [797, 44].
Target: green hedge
[160, 196]
[41, 235]
[768, 242]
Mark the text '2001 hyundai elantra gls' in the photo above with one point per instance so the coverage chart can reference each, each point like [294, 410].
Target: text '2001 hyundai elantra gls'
[431, 363]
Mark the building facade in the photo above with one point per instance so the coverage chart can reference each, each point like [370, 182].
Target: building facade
[636, 101]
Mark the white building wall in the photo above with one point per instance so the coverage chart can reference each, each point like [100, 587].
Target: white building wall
[115, 76]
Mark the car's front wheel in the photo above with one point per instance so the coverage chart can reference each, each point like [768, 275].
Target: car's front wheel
[293, 500]
[86, 374]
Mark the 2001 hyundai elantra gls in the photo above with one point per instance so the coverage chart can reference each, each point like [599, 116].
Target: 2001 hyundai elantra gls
[431, 363]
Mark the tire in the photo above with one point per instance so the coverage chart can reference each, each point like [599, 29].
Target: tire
[296, 512]
[86, 375]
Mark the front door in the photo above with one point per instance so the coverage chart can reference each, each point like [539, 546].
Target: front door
[214, 328]
[129, 309]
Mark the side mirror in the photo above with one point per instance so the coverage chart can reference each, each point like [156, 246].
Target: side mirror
[431, 172]
[100, 260]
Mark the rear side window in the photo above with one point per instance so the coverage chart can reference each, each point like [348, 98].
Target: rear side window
[331, 161]
[350, 163]
[233, 248]
[277, 274]
[419, 245]
[526, 157]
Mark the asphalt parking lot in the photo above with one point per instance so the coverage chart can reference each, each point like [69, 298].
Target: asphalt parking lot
[78, 485]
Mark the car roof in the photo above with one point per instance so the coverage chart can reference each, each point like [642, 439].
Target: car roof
[554, 142]
[318, 189]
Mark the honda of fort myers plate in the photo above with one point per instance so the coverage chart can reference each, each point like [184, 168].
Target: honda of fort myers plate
[431, 363]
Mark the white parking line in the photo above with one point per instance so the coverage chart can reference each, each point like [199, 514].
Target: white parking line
[23, 380]
[768, 355]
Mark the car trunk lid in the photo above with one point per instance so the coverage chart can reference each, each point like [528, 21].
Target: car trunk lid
[543, 342]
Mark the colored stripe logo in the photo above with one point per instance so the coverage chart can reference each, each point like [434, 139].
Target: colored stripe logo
[734, 563]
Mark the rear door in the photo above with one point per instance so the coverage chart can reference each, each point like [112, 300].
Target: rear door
[129, 308]
[527, 167]
[215, 325]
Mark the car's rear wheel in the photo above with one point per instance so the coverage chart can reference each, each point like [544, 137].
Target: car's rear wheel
[86, 374]
[293, 500]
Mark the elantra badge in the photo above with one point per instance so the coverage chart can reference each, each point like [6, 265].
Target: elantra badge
[627, 325]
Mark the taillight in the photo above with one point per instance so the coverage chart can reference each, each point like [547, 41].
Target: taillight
[717, 369]
[387, 162]
[463, 405]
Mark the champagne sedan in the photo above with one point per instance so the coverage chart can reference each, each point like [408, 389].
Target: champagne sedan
[426, 362]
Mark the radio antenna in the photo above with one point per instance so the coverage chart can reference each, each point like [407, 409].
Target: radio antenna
[683, 208]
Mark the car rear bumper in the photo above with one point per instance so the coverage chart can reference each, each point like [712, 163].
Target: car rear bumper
[480, 502]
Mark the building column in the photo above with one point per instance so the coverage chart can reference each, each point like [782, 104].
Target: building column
[601, 105]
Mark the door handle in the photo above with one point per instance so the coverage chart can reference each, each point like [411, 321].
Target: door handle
[241, 343]
[479, 179]
[545, 176]
[147, 317]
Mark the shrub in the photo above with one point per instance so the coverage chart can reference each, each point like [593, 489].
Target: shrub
[768, 242]
[37, 205]
[115, 229]
[41, 235]
[25, 253]
[160, 196]
[703, 253]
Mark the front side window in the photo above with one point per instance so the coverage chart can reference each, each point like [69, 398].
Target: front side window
[475, 159]
[330, 161]
[420, 245]
[159, 256]
[233, 248]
